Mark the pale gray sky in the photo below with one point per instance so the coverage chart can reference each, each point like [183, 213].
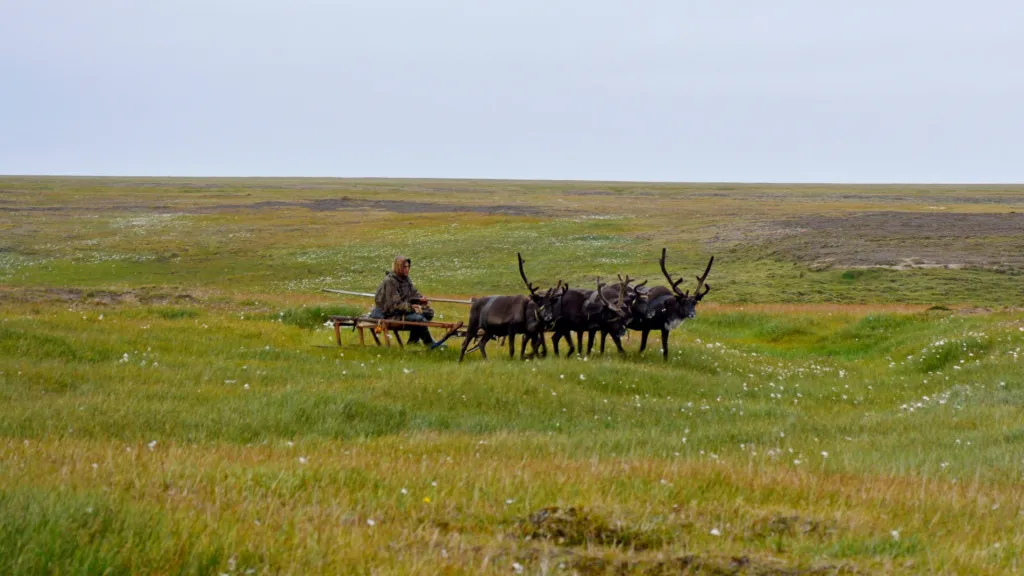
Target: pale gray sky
[712, 90]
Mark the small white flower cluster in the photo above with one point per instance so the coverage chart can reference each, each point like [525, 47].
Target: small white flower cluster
[148, 358]
[937, 400]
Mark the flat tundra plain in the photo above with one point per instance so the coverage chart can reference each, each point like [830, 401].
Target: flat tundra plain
[848, 399]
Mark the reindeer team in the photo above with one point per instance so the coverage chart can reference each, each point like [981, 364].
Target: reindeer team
[610, 309]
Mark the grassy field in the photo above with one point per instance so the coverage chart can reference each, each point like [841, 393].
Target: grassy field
[848, 400]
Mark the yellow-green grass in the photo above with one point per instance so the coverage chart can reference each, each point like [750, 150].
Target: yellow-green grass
[170, 403]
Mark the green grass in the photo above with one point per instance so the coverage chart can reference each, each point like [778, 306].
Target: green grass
[170, 401]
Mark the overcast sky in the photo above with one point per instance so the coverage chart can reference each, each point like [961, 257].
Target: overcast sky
[711, 90]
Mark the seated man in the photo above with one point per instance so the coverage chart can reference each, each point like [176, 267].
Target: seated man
[398, 299]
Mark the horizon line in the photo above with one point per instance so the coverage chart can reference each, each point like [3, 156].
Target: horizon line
[566, 180]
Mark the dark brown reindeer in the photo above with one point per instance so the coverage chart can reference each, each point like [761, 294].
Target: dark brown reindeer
[509, 316]
[665, 308]
[502, 316]
[549, 301]
[615, 326]
[549, 305]
[584, 312]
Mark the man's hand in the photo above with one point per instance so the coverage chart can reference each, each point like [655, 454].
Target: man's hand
[417, 308]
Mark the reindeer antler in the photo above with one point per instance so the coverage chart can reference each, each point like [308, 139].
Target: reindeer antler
[560, 287]
[617, 308]
[600, 294]
[700, 281]
[533, 289]
[674, 283]
[622, 296]
[626, 281]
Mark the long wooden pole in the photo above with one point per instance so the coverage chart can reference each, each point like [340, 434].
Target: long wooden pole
[369, 295]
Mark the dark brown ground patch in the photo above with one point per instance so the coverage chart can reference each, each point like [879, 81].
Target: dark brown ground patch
[905, 240]
[578, 527]
[571, 538]
[698, 564]
[319, 205]
[96, 297]
[563, 560]
[399, 206]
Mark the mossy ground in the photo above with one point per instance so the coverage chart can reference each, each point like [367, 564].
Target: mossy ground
[170, 403]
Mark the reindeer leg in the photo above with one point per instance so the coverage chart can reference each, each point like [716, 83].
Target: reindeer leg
[618, 344]
[604, 338]
[568, 341]
[579, 341]
[643, 340]
[471, 332]
[465, 345]
[470, 337]
[512, 344]
[664, 343]
[483, 344]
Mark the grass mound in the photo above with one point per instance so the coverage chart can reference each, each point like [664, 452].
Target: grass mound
[579, 527]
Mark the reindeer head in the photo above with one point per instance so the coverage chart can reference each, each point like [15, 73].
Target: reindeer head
[613, 315]
[679, 305]
[548, 302]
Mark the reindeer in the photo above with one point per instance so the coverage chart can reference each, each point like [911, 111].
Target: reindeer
[665, 308]
[616, 326]
[511, 315]
[549, 306]
[502, 316]
[586, 311]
